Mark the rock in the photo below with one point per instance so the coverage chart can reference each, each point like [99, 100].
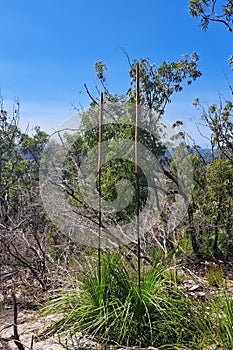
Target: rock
[49, 346]
[194, 287]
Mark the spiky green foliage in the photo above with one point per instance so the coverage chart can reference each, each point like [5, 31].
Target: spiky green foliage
[115, 309]
[225, 313]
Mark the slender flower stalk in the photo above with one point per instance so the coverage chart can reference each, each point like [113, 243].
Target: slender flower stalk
[99, 170]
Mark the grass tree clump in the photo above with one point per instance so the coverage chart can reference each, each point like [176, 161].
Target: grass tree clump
[223, 309]
[112, 308]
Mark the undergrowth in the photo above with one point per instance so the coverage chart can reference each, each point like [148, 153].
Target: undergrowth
[114, 309]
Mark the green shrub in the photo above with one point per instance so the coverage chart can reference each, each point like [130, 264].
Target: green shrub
[224, 310]
[215, 276]
[114, 308]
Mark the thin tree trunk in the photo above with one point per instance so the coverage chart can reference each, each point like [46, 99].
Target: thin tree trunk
[16, 334]
[192, 232]
[216, 230]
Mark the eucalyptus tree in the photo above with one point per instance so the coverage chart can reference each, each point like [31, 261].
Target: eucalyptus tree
[212, 199]
[157, 86]
[23, 226]
[9, 162]
[219, 118]
[213, 11]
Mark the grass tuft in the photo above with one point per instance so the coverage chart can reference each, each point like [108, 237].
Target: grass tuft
[215, 276]
[114, 309]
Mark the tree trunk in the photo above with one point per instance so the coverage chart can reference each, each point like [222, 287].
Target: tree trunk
[216, 231]
[192, 232]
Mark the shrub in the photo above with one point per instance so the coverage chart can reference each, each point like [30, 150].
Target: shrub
[114, 308]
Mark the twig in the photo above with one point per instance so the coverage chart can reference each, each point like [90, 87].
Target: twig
[32, 341]
[90, 95]
[15, 326]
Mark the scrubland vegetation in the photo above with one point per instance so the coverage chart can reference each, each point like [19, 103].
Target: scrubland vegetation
[170, 289]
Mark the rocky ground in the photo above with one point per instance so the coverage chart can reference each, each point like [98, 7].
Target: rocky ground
[29, 327]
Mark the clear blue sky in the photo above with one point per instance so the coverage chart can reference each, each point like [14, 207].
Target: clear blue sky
[48, 49]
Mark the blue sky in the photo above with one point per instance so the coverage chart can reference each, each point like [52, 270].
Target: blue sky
[48, 49]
